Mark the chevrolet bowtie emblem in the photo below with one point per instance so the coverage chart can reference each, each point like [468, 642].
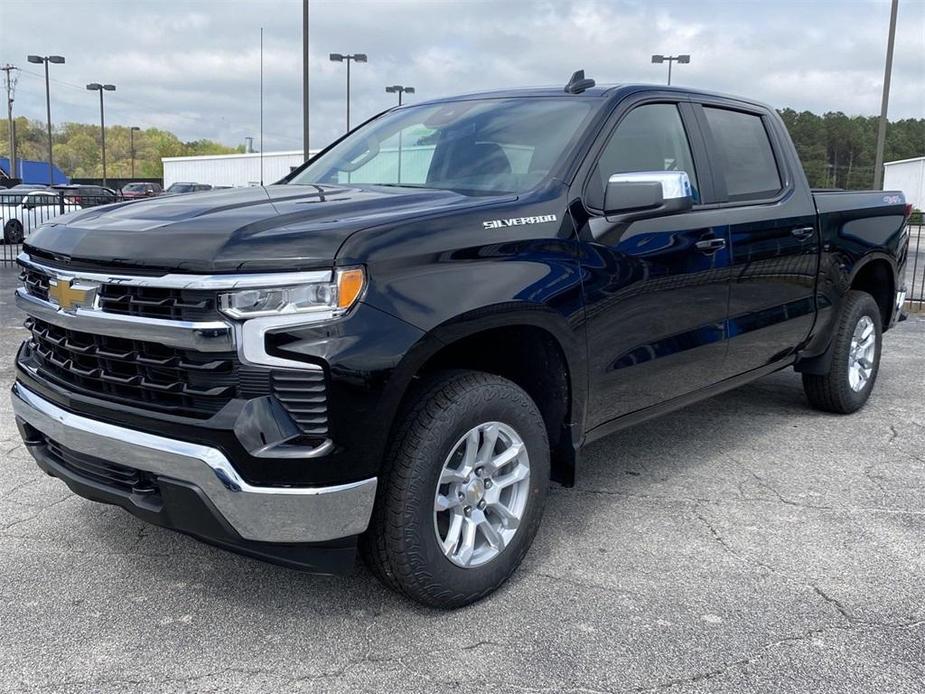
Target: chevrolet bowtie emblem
[70, 296]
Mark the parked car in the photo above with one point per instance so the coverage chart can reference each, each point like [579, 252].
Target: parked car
[28, 186]
[404, 359]
[88, 195]
[21, 211]
[176, 188]
[134, 191]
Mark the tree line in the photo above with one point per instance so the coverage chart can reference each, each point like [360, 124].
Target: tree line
[77, 148]
[837, 150]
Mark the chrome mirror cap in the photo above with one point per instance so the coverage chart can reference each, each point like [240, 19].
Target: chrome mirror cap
[675, 184]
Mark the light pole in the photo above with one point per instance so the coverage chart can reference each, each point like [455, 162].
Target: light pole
[131, 138]
[680, 59]
[343, 58]
[400, 89]
[97, 87]
[885, 100]
[57, 59]
[305, 155]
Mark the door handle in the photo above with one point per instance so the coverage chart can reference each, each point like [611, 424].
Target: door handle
[803, 232]
[710, 245]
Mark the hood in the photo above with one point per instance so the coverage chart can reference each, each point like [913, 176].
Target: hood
[276, 227]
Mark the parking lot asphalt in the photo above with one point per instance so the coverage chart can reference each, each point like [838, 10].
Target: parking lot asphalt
[746, 543]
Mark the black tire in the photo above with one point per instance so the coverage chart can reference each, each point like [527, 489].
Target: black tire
[401, 546]
[13, 232]
[832, 392]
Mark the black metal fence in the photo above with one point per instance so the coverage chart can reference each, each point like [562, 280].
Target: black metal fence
[22, 211]
[915, 270]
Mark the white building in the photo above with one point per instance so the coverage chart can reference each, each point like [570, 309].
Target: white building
[907, 175]
[231, 169]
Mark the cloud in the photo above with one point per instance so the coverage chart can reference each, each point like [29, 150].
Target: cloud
[194, 67]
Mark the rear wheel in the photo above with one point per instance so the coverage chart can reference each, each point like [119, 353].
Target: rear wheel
[855, 358]
[462, 491]
[13, 232]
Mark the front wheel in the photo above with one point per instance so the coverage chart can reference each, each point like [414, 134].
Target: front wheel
[462, 491]
[855, 358]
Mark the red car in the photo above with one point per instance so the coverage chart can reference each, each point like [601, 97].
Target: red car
[133, 191]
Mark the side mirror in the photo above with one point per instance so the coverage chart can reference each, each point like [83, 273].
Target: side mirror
[648, 194]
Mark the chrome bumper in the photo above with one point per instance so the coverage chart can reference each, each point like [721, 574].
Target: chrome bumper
[261, 514]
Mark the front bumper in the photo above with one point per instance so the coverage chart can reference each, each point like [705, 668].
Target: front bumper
[253, 514]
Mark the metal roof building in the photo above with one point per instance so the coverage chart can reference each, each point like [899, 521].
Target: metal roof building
[907, 175]
[230, 169]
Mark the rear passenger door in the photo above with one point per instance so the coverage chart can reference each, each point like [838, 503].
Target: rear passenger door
[771, 227]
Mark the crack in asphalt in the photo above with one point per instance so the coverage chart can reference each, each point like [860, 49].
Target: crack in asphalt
[35, 515]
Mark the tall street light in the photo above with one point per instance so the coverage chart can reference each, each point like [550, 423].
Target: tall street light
[57, 59]
[97, 87]
[885, 100]
[343, 58]
[400, 90]
[131, 138]
[680, 59]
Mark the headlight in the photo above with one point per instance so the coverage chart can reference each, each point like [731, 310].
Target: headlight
[336, 297]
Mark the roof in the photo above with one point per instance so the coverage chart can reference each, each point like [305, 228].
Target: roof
[904, 161]
[599, 91]
[33, 171]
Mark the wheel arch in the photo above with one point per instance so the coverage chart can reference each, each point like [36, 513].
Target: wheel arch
[531, 346]
[875, 274]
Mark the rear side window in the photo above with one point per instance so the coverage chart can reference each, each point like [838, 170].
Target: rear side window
[744, 153]
[651, 137]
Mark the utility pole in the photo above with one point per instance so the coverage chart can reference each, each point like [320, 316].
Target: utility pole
[131, 136]
[305, 147]
[884, 102]
[10, 91]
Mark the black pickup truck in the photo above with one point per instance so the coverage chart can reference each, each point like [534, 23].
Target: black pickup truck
[398, 346]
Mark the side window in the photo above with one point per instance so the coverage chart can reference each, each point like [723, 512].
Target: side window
[649, 138]
[745, 154]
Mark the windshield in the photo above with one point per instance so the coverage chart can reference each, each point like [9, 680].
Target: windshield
[134, 188]
[181, 188]
[480, 146]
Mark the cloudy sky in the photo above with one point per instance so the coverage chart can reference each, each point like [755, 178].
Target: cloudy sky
[192, 66]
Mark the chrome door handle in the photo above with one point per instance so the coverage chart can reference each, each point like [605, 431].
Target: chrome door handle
[710, 245]
[803, 232]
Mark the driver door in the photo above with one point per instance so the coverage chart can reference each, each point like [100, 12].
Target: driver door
[656, 289]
